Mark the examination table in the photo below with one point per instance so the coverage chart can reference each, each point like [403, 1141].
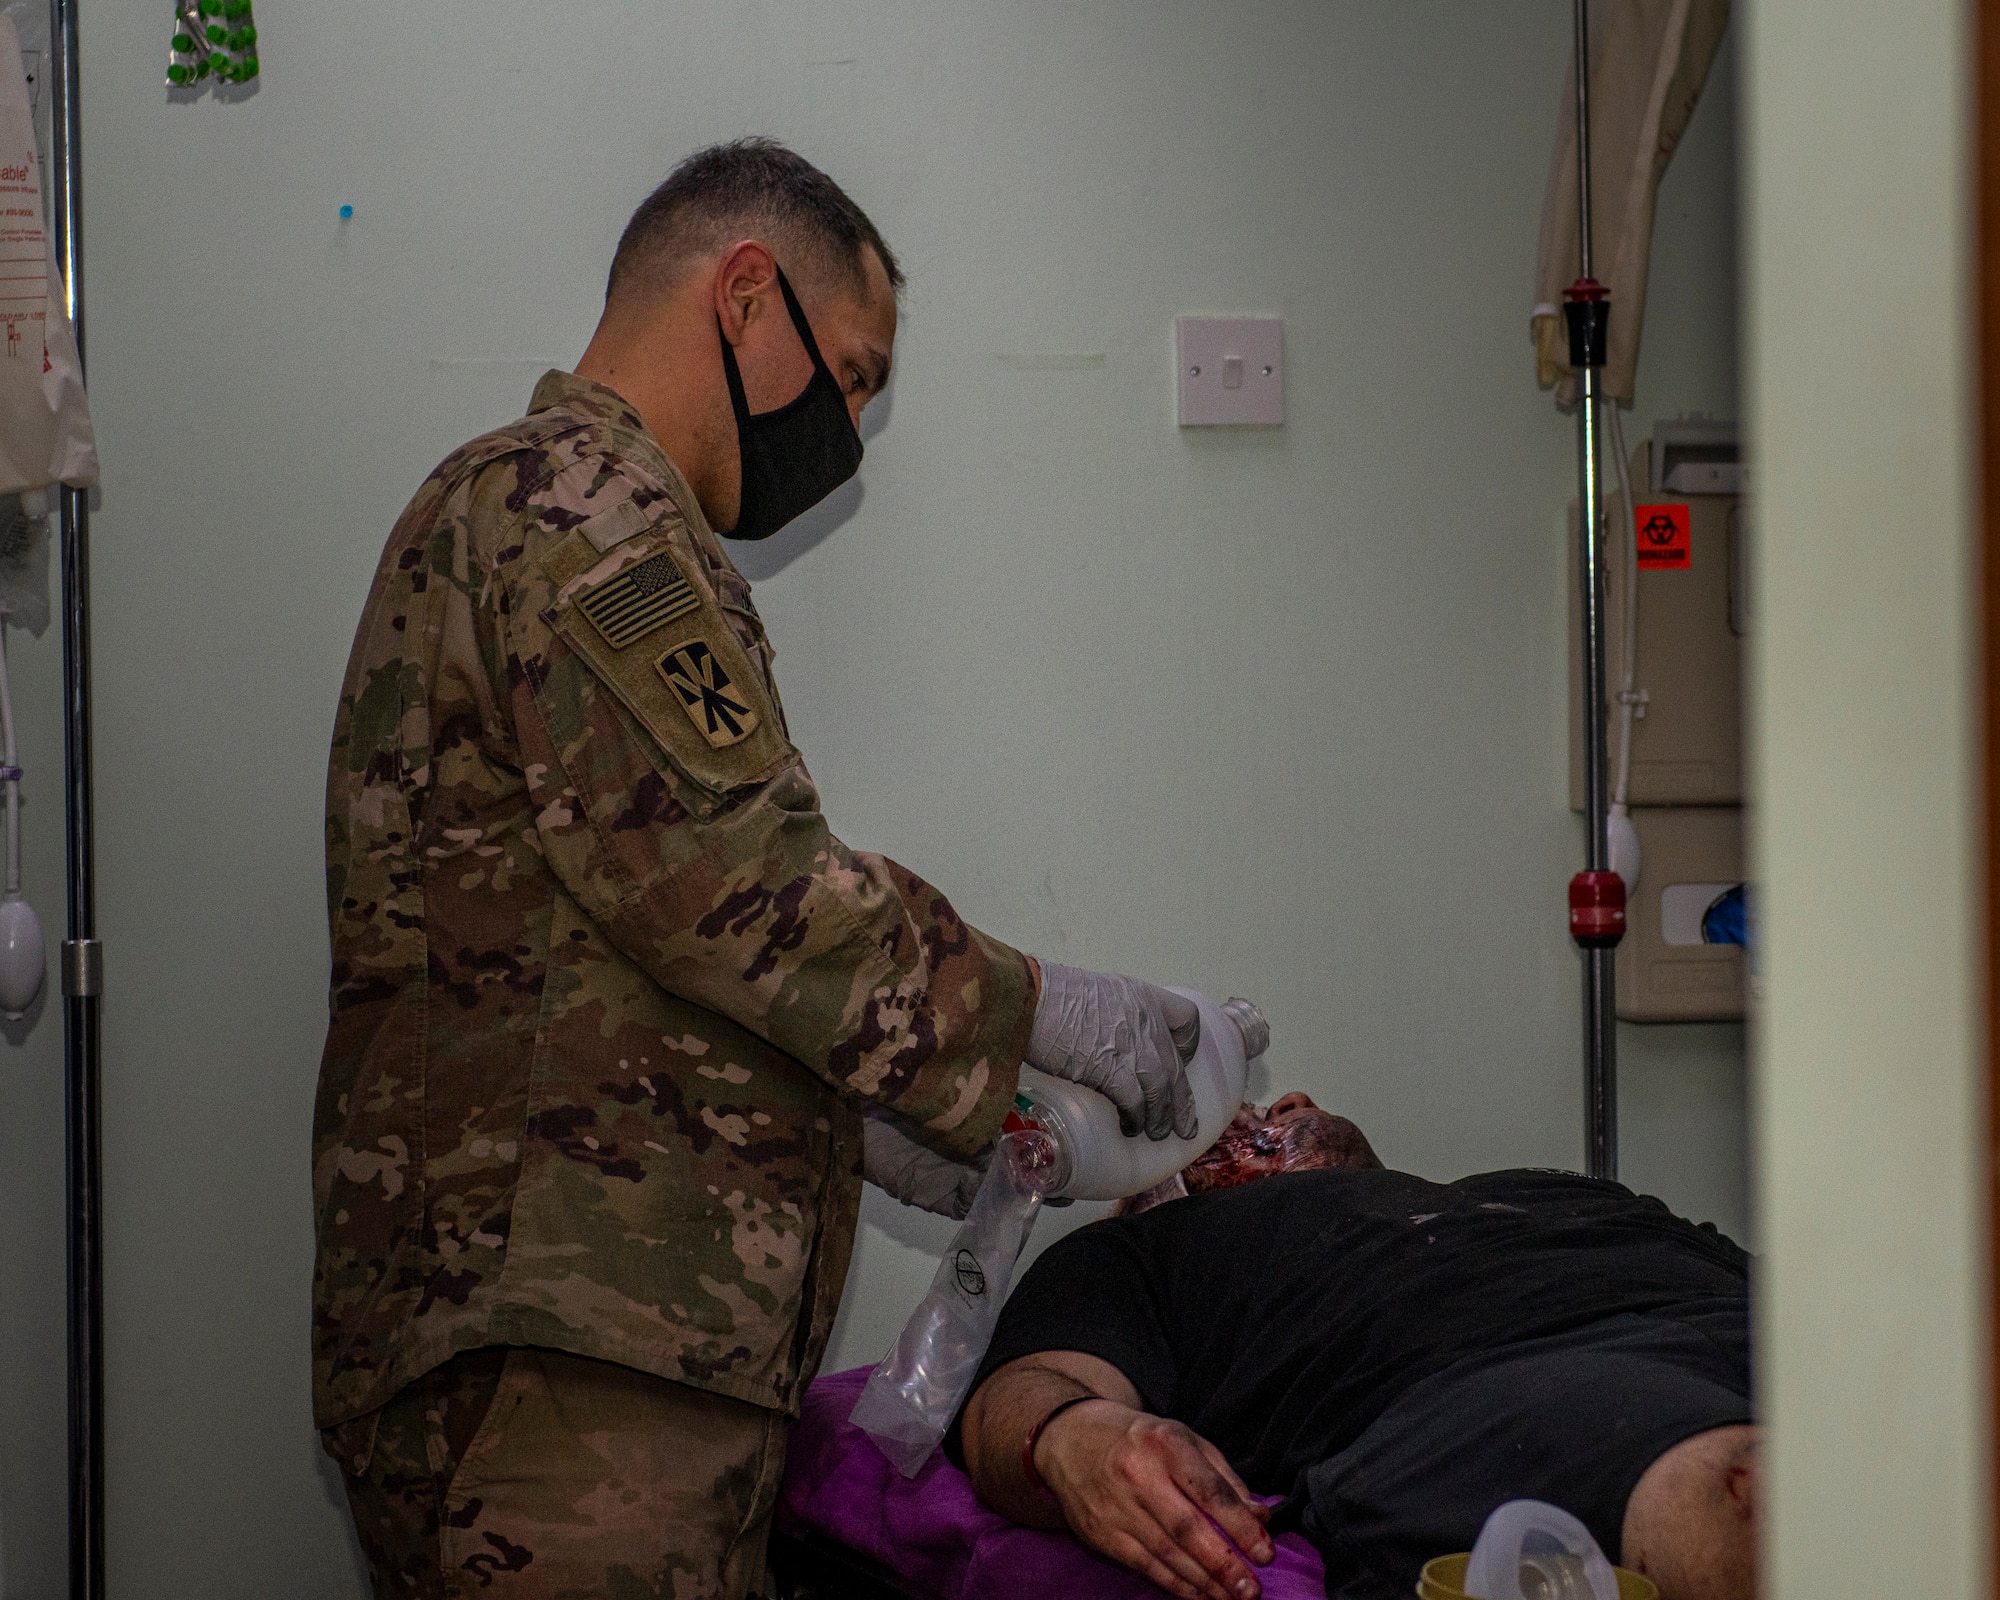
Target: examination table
[851, 1527]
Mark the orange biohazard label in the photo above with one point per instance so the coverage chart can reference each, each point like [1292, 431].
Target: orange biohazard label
[1664, 537]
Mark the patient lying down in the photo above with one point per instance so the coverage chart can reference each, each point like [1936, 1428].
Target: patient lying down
[1392, 1357]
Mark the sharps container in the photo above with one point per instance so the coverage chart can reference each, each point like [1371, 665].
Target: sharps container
[1530, 1550]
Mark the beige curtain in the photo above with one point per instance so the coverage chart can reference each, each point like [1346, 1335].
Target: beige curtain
[1649, 59]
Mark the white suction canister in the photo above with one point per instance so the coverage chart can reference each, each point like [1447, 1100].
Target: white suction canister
[1094, 1160]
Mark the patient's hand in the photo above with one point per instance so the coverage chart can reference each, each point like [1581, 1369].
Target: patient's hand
[1135, 1487]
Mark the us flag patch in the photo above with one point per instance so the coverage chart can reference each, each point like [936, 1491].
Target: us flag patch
[633, 602]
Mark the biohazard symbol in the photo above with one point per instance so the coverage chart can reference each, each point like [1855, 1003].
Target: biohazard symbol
[1664, 534]
[703, 689]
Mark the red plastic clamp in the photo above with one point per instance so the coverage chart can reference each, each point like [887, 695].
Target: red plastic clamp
[1596, 909]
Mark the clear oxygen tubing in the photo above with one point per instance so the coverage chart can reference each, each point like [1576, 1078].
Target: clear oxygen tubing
[10, 761]
[1600, 1011]
[23, 958]
[1622, 840]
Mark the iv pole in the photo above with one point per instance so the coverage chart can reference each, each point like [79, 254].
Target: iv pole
[82, 956]
[1596, 895]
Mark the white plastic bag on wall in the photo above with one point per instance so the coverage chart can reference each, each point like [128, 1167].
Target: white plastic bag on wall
[45, 432]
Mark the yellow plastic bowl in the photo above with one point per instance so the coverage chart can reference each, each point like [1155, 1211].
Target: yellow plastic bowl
[1444, 1579]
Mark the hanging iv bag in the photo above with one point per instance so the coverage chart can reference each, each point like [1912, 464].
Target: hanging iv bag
[45, 432]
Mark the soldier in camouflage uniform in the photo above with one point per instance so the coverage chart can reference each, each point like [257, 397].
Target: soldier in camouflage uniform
[610, 1006]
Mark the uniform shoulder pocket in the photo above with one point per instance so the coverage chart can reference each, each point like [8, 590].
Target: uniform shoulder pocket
[642, 618]
[625, 520]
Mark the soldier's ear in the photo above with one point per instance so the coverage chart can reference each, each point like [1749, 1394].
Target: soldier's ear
[745, 283]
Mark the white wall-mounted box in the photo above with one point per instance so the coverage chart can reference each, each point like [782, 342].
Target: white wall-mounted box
[1232, 371]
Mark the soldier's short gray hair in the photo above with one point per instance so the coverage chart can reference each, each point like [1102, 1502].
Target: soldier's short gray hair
[748, 188]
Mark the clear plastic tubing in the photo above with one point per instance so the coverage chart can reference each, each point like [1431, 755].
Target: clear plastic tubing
[1092, 1160]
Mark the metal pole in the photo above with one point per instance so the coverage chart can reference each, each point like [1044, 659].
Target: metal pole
[1600, 1011]
[81, 963]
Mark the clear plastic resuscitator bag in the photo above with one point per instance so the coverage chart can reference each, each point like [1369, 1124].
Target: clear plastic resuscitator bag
[917, 1388]
[1063, 1143]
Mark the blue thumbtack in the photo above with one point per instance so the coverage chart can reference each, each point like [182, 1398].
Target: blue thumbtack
[346, 212]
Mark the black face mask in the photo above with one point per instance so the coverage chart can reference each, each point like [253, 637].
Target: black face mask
[796, 456]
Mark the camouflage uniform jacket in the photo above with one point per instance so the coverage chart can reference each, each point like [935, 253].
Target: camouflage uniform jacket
[607, 995]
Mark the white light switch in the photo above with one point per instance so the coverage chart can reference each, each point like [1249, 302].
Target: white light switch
[1231, 371]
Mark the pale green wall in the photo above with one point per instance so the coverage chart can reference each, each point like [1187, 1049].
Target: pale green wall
[1871, 1099]
[1279, 713]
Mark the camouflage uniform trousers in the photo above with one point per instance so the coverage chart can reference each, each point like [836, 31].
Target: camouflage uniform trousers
[524, 1474]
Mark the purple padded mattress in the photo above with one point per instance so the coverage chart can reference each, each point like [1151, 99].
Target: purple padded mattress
[932, 1530]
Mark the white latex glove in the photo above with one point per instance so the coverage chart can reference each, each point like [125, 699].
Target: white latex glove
[916, 1174]
[1128, 1040]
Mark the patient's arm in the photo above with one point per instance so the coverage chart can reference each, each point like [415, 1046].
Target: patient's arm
[1130, 1485]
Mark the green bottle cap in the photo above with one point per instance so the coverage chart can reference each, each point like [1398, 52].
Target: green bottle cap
[183, 42]
[177, 73]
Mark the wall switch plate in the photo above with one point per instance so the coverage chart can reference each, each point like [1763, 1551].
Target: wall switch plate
[1232, 371]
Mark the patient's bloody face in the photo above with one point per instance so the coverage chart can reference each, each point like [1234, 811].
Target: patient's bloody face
[1294, 1135]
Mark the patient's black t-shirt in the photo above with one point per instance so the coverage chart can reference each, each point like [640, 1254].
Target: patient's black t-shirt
[1515, 1334]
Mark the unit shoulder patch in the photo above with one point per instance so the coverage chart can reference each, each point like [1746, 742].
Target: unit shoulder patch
[707, 693]
[642, 622]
